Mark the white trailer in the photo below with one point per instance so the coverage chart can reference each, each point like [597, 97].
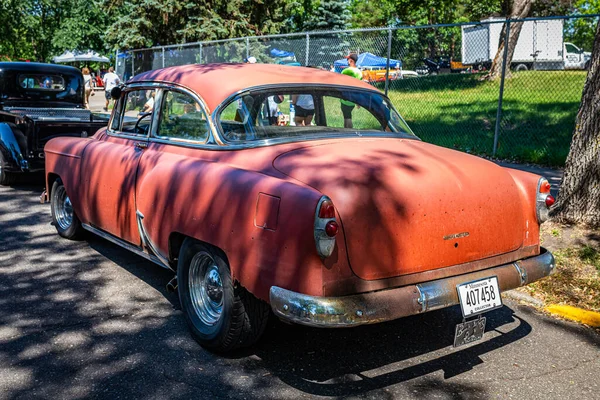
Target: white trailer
[540, 45]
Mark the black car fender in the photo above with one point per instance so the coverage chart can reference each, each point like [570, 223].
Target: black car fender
[12, 146]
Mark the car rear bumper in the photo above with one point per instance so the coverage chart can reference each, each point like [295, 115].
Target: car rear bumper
[389, 304]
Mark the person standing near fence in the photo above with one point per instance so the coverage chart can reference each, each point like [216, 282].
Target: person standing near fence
[110, 81]
[348, 106]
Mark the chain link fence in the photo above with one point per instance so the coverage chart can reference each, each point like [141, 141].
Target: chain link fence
[438, 77]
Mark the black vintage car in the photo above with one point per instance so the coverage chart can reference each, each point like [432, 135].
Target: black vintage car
[39, 102]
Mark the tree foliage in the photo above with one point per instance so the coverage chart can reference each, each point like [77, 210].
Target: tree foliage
[329, 15]
[146, 23]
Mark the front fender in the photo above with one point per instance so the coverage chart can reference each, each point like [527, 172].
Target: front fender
[13, 152]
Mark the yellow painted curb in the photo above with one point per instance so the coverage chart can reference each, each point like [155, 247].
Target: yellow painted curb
[590, 318]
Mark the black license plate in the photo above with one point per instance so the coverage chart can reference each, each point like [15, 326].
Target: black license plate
[469, 331]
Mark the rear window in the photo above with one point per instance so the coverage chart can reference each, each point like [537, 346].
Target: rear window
[302, 113]
[41, 82]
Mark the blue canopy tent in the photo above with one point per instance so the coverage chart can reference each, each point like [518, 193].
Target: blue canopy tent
[284, 57]
[282, 53]
[367, 60]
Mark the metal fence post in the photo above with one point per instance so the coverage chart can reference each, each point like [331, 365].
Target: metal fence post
[307, 47]
[387, 63]
[163, 57]
[499, 112]
[132, 63]
[200, 57]
[247, 47]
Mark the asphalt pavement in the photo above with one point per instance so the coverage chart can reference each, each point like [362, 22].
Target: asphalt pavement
[91, 320]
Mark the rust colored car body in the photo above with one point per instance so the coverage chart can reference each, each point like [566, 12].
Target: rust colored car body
[407, 221]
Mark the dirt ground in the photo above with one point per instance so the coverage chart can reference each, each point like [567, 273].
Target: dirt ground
[577, 278]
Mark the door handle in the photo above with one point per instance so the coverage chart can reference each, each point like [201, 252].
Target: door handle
[141, 145]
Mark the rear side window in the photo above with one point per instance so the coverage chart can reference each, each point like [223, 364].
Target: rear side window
[41, 82]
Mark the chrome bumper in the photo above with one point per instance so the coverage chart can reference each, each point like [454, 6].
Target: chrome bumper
[389, 304]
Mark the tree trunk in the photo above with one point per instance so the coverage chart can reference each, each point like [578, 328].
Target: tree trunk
[579, 196]
[520, 10]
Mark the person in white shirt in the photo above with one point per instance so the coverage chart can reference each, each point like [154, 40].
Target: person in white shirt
[149, 106]
[110, 81]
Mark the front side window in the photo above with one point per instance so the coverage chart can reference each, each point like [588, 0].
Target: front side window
[182, 118]
[571, 48]
[302, 113]
[134, 112]
[41, 82]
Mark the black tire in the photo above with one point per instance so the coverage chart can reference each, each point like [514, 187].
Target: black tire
[521, 67]
[6, 178]
[587, 65]
[243, 317]
[69, 229]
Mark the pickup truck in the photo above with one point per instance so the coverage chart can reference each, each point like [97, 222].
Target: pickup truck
[37, 103]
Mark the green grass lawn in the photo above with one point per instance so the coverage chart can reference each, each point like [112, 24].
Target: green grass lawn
[459, 111]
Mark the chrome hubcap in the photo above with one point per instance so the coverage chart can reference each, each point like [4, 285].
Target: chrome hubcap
[63, 210]
[206, 288]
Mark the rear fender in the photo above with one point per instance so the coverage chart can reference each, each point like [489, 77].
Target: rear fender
[13, 146]
[263, 224]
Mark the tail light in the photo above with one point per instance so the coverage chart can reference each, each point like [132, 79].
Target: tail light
[544, 200]
[326, 227]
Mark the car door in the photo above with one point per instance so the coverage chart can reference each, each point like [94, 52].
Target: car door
[110, 165]
[169, 167]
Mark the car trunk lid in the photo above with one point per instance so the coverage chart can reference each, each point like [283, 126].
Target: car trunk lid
[407, 206]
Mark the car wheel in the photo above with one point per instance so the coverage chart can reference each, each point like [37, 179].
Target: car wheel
[222, 315]
[6, 178]
[63, 216]
[521, 67]
[587, 66]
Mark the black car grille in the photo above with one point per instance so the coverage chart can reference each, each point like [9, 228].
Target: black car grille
[51, 114]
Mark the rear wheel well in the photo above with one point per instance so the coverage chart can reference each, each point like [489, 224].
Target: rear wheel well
[176, 240]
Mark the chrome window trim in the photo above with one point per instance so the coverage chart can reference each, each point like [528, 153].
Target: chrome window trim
[227, 145]
[154, 137]
[121, 134]
[152, 131]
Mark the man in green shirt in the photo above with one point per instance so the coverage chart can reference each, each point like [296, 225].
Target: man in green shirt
[348, 106]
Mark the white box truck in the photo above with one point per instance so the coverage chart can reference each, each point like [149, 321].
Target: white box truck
[540, 46]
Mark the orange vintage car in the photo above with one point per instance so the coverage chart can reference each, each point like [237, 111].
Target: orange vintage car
[343, 219]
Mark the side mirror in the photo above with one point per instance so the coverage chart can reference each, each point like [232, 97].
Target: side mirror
[115, 93]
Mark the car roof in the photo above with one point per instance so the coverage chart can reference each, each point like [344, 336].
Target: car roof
[216, 82]
[36, 67]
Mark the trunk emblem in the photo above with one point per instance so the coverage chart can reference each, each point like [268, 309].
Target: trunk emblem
[456, 235]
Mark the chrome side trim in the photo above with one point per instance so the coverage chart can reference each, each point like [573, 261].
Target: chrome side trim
[124, 244]
[389, 304]
[147, 242]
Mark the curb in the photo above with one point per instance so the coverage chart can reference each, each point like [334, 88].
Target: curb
[590, 318]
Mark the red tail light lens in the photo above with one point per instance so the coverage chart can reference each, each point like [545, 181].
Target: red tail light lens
[550, 200]
[327, 210]
[332, 228]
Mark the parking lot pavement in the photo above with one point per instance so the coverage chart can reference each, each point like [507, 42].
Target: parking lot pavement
[88, 319]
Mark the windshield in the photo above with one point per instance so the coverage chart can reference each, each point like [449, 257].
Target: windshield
[302, 113]
[42, 82]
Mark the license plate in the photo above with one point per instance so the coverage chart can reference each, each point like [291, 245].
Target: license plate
[469, 331]
[479, 296]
